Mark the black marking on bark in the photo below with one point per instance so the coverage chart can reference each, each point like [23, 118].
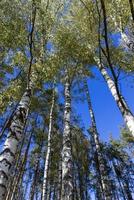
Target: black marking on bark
[7, 150]
[7, 162]
[28, 92]
[12, 134]
[5, 175]
[2, 185]
[22, 114]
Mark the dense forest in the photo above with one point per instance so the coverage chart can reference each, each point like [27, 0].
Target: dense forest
[51, 54]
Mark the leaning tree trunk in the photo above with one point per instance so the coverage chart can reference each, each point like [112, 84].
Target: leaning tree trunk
[102, 167]
[16, 127]
[44, 191]
[67, 165]
[125, 111]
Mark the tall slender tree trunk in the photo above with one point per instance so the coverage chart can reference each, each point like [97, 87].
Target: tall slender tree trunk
[17, 159]
[54, 191]
[102, 167]
[81, 192]
[76, 195]
[17, 124]
[59, 180]
[7, 122]
[118, 179]
[7, 155]
[21, 170]
[127, 190]
[131, 8]
[49, 190]
[67, 165]
[98, 188]
[87, 196]
[125, 110]
[33, 187]
[44, 190]
[113, 84]
[27, 180]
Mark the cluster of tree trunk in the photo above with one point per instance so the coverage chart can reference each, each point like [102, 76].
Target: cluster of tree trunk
[58, 162]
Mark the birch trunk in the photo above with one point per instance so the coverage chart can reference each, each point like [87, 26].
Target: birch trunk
[33, 186]
[118, 179]
[59, 180]
[67, 165]
[17, 159]
[127, 190]
[102, 168]
[21, 171]
[131, 8]
[125, 111]
[80, 181]
[7, 155]
[44, 190]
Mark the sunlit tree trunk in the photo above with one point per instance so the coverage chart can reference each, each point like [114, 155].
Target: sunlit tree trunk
[17, 161]
[67, 165]
[102, 167]
[8, 153]
[48, 153]
[113, 84]
[123, 107]
[17, 124]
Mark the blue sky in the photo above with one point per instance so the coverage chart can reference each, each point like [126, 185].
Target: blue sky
[108, 117]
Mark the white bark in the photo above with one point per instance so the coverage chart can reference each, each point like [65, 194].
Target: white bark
[125, 111]
[44, 190]
[7, 155]
[59, 180]
[102, 167]
[67, 179]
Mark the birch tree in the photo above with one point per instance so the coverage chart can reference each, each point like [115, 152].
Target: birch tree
[102, 169]
[17, 125]
[67, 166]
[45, 177]
[90, 38]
